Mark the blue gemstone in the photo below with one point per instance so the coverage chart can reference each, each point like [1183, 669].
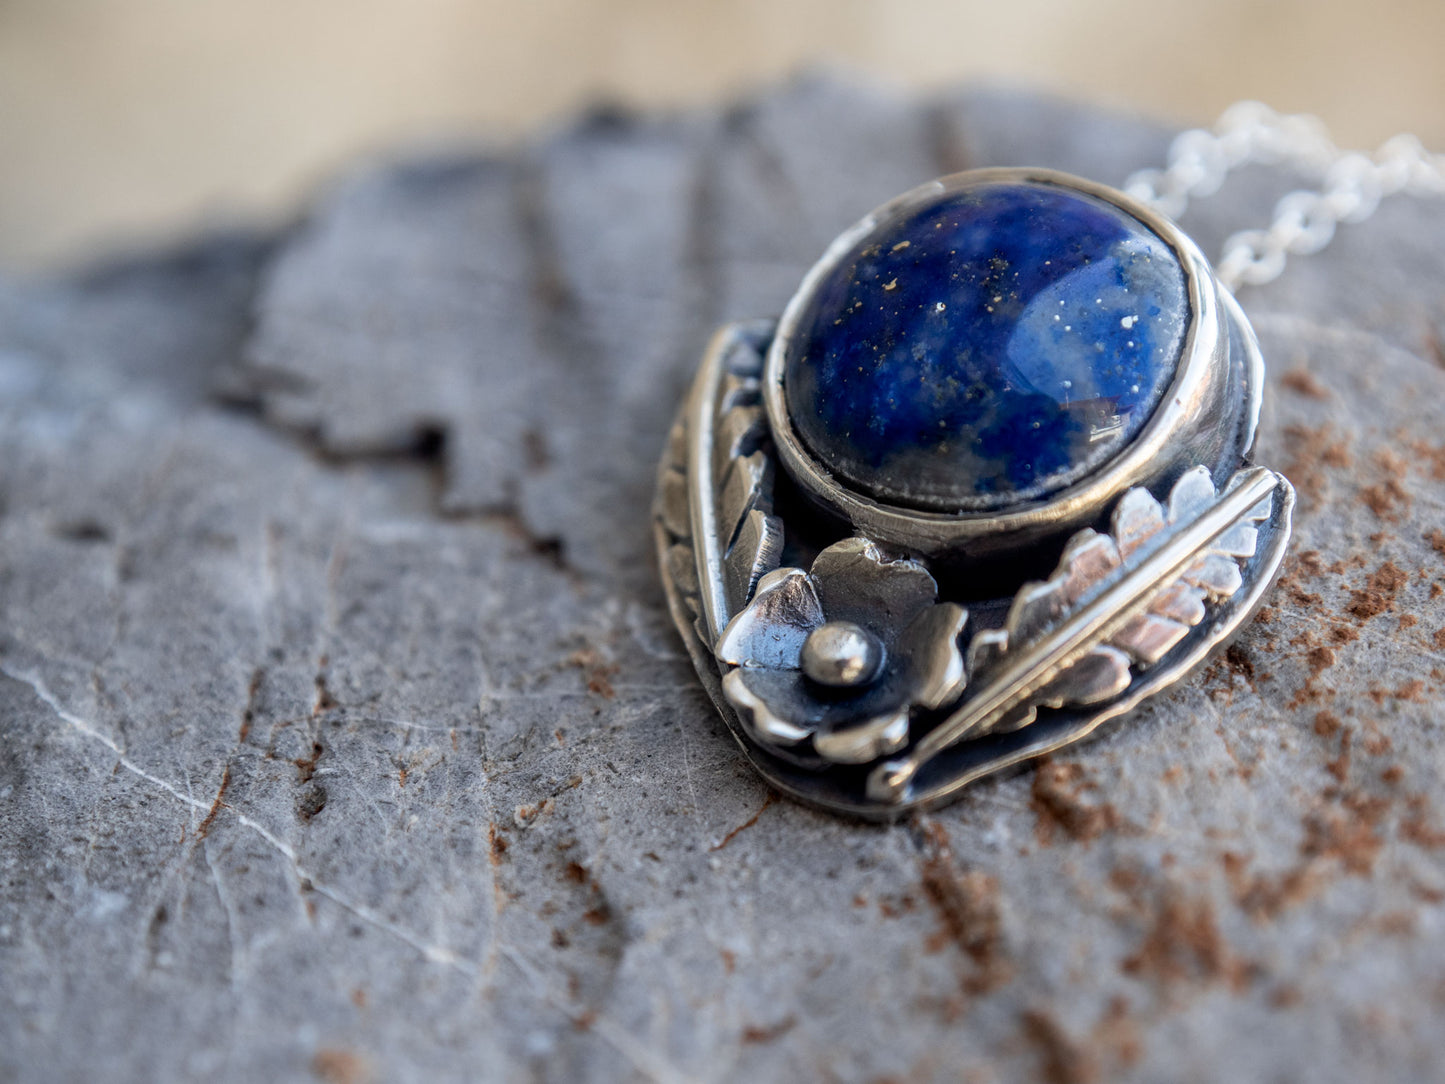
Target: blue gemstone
[986, 348]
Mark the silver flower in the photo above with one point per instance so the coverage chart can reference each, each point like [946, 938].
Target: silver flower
[843, 653]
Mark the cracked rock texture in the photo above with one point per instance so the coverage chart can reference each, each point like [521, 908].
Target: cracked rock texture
[344, 736]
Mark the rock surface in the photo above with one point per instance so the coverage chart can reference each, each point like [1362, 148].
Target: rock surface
[343, 734]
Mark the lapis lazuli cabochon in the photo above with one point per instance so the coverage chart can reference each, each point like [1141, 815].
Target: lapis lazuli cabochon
[986, 348]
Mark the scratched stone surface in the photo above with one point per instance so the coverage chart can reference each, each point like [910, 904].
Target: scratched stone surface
[344, 736]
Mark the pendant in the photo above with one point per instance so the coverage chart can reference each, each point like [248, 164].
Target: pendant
[983, 488]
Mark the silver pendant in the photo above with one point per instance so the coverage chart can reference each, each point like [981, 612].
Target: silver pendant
[983, 488]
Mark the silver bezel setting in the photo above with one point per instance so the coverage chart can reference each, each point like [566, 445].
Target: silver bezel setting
[1200, 418]
[1137, 573]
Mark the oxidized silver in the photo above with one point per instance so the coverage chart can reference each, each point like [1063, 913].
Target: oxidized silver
[1208, 416]
[829, 627]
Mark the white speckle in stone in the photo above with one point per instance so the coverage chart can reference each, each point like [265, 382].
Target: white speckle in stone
[939, 307]
[1128, 322]
[105, 904]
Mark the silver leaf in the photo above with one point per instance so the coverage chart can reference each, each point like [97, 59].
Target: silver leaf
[737, 392]
[1179, 602]
[1088, 560]
[1216, 575]
[738, 432]
[754, 552]
[672, 507]
[1138, 519]
[743, 484]
[985, 649]
[1101, 674]
[1149, 637]
[1191, 495]
[1036, 608]
[683, 570]
[1241, 540]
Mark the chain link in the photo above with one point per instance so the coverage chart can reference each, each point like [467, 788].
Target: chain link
[1351, 184]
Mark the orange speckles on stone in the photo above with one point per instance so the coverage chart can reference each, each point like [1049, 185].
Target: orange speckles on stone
[336, 1066]
[1061, 797]
[1320, 658]
[1348, 831]
[1378, 594]
[597, 671]
[1313, 451]
[1416, 828]
[1296, 594]
[1303, 382]
[1062, 1060]
[1412, 691]
[1396, 924]
[1239, 662]
[1264, 897]
[1340, 766]
[968, 906]
[1387, 499]
[1184, 944]
[1433, 456]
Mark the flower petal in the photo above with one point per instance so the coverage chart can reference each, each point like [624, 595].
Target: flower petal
[771, 629]
[858, 582]
[863, 742]
[929, 649]
[757, 714]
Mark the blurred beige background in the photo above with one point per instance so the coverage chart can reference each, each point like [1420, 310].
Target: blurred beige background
[129, 119]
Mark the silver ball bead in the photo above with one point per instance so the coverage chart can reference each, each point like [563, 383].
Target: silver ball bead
[842, 655]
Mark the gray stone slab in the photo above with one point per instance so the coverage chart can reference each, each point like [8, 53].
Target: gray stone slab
[344, 736]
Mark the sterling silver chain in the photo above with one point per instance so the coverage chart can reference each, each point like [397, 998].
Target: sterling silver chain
[1350, 188]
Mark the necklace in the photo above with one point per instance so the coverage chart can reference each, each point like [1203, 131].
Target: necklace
[986, 485]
